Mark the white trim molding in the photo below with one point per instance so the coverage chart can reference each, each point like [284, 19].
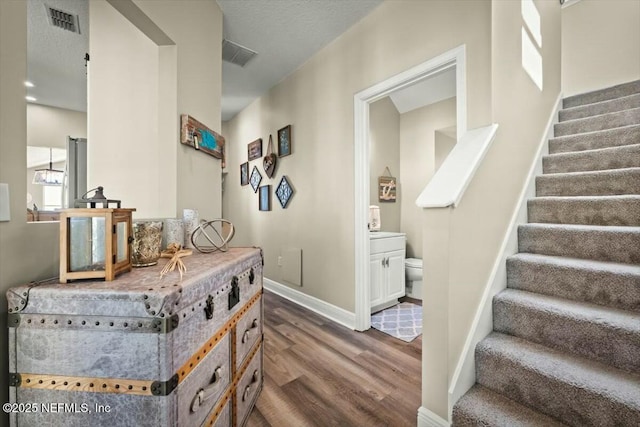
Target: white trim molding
[361, 100]
[447, 186]
[426, 418]
[330, 311]
[464, 375]
[569, 3]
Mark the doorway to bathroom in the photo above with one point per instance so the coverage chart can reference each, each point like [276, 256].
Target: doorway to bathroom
[404, 128]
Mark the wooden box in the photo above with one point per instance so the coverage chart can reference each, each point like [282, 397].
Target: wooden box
[140, 350]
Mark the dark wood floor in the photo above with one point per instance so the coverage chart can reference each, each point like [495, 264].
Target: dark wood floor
[318, 373]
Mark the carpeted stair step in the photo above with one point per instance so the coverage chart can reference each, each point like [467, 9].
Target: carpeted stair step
[589, 210]
[615, 137]
[592, 183]
[577, 391]
[627, 156]
[596, 242]
[598, 108]
[601, 122]
[483, 407]
[604, 334]
[609, 284]
[600, 95]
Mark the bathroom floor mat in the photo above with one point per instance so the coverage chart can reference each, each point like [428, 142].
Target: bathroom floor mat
[402, 321]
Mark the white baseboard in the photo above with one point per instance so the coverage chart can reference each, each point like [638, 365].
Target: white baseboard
[426, 418]
[330, 311]
[464, 375]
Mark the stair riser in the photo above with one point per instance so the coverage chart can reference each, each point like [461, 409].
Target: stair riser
[611, 158]
[568, 332]
[619, 290]
[590, 124]
[575, 406]
[610, 138]
[591, 110]
[606, 183]
[600, 245]
[618, 91]
[593, 212]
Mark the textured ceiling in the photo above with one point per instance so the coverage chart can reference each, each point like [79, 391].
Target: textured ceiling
[285, 33]
[55, 57]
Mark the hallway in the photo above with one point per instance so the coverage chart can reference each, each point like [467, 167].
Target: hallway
[318, 373]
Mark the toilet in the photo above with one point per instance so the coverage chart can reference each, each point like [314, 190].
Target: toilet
[413, 271]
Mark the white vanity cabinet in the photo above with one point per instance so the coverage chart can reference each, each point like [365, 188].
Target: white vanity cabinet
[386, 264]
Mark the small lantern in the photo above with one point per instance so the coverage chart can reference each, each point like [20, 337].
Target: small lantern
[95, 243]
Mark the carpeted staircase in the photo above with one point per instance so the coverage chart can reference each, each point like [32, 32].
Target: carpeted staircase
[566, 343]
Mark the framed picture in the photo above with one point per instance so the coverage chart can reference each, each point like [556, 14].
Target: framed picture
[255, 178]
[264, 199]
[254, 149]
[244, 173]
[200, 137]
[387, 189]
[284, 191]
[284, 141]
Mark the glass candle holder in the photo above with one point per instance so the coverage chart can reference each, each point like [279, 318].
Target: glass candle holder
[147, 242]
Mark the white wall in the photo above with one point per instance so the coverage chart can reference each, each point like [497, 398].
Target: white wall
[137, 90]
[464, 241]
[123, 156]
[417, 163]
[384, 141]
[600, 44]
[317, 100]
[50, 126]
[195, 65]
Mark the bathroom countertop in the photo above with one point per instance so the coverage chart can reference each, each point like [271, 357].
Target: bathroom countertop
[384, 234]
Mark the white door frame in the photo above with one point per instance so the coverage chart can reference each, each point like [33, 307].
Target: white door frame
[361, 101]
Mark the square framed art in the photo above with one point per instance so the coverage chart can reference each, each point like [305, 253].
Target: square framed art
[254, 149]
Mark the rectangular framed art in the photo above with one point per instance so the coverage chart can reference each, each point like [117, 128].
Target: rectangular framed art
[254, 149]
[200, 137]
[264, 201]
[244, 173]
[284, 141]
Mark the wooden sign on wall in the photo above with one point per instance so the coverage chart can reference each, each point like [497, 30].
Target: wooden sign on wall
[200, 137]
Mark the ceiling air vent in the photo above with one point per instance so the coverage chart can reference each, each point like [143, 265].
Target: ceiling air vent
[236, 54]
[61, 19]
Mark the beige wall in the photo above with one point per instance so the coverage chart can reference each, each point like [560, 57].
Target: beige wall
[140, 136]
[384, 143]
[473, 231]
[30, 251]
[27, 251]
[600, 44]
[318, 101]
[124, 153]
[50, 126]
[417, 163]
[196, 28]
[445, 140]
